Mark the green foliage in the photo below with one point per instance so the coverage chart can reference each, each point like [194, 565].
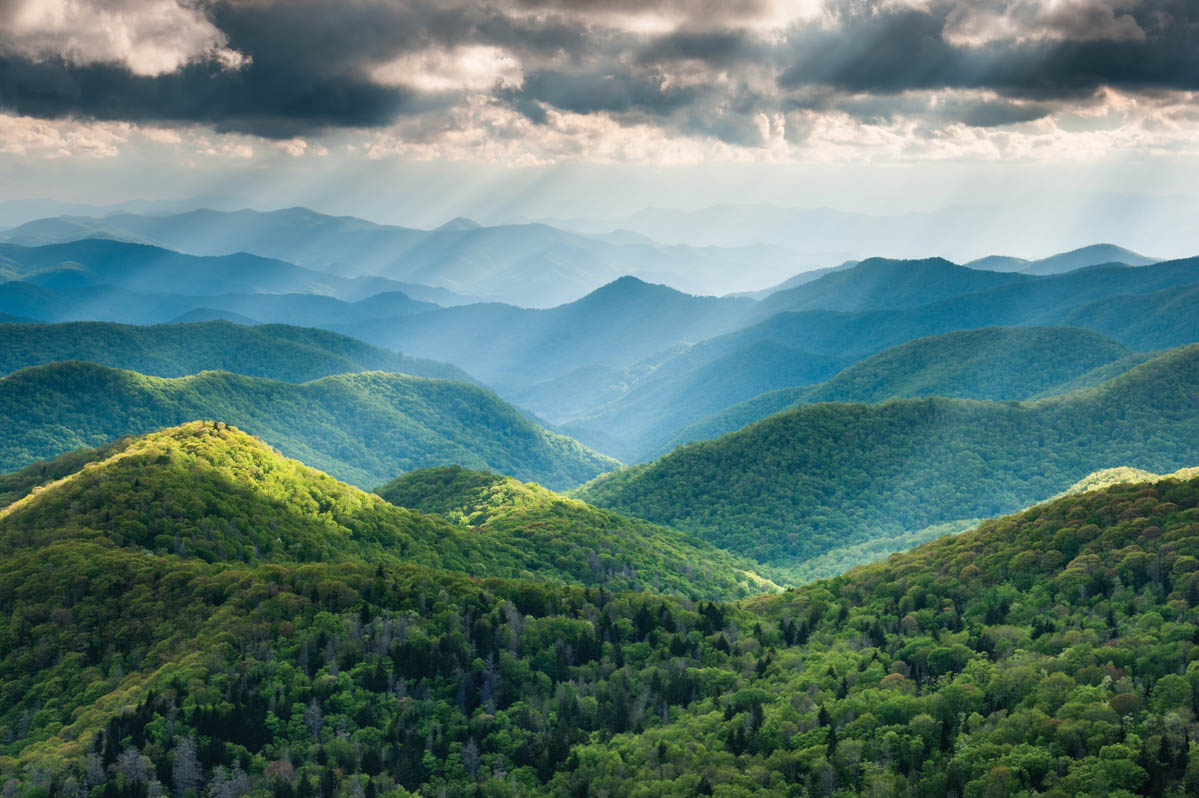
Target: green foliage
[589, 545]
[205, 490]
[276, 351]
[1049, 652]
[363, 428]
[819, 477]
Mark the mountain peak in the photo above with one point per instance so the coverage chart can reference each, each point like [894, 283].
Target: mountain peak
[629, 288]
[459, 224]
[1083, 257]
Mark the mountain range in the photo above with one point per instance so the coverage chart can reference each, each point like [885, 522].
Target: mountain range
[528, 264]
[1046, 222]
[251, 549]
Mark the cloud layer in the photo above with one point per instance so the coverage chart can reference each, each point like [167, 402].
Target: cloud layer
[567, 78]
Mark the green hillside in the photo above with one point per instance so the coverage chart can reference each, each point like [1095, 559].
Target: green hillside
[362, 428]
[277, 351]
[820, 477]
[591, 544]
[209, 491]
[1158, 320]
[991, 363]
[1046, 653]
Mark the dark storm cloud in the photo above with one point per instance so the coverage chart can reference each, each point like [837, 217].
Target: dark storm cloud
[260, 98]
[882, 109]
[309, 63]
[909, 50]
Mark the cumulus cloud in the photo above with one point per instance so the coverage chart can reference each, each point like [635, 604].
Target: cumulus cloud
[147, 37]
[525, 76]
[463, 68]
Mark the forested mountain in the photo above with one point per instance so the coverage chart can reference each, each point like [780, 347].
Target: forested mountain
[280, 352]
[106, 303]
[881, 283]
[1158, 320]
[992, 363]
[1046, 651]
[817, 477]
[155, 270]
[1042, 301]
[631, 365]
[850, 337]
[363, 428]
[533, 265]
[220, 495]
[590, 545]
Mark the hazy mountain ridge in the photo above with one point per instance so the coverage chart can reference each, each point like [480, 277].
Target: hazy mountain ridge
[532, 265]
[508, 347]
[154, 270]
[105, 303]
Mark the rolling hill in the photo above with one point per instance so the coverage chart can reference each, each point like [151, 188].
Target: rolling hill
[808, 480]
[992, 363]
[1157, 320]
[1045, 652]
[106, 303]
[201, 475]
[592, 545]
[884, 283]
[363, 428]
[280, 352]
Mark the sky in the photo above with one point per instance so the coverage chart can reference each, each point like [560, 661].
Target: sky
[415, 112]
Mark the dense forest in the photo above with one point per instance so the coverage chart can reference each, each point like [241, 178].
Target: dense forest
[819, 477]
[1050, 652]
[207, 490]
[364, 428]
[587, 544]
